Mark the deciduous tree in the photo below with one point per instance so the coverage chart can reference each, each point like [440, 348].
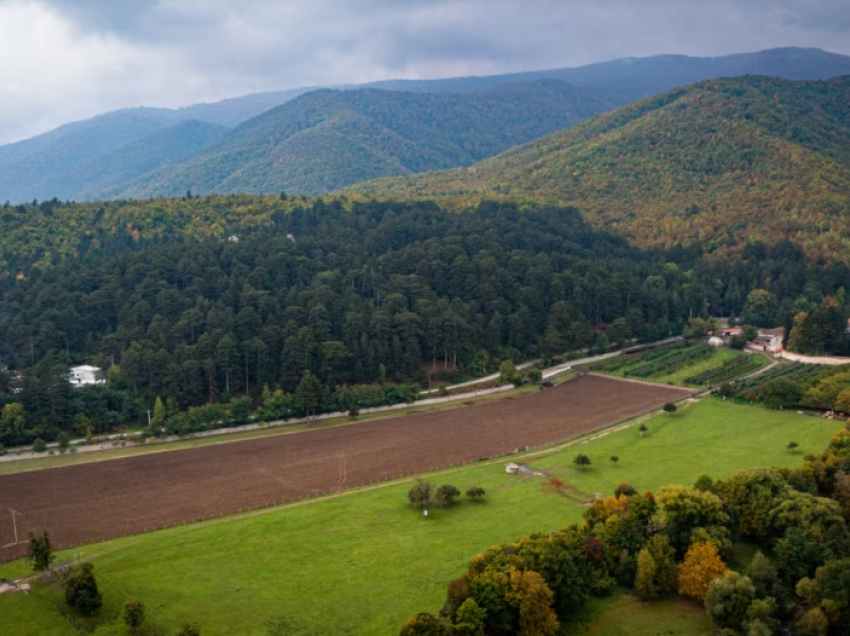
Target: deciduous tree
[702, 565]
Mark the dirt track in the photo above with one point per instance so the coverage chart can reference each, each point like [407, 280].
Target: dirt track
[92, 502]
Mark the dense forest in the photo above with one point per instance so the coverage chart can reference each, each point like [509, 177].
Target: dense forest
[355, 293]
[717, 164]
[679, 539]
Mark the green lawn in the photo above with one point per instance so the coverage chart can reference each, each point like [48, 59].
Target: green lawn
[624, 615]
[362, 563]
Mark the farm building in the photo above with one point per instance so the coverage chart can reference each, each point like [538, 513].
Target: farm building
[85, 375]
[769, 340]
[714, 341]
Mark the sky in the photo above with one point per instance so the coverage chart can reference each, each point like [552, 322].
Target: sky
[65, 60]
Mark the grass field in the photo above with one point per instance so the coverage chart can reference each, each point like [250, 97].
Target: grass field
[624, 615]
[361, 563]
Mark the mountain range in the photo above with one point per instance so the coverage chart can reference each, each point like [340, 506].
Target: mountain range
[718, 165]
[327, 139]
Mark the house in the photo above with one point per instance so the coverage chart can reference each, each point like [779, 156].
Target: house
[714, 341]
[769, 340]
[732, 331]
[85, 375]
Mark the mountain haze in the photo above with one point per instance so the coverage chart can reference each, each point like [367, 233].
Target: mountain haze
[716, 165]
[54, 164]
[629, 79]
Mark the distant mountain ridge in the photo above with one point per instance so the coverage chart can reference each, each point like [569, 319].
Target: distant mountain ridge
[328, 139]
[717, 166]
[64, 162]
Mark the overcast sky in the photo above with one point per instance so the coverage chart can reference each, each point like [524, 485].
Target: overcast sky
[63, 60]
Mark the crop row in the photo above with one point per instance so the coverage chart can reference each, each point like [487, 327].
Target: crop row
[732, 369]
[618, 362]
[671, 363]
[795, 372]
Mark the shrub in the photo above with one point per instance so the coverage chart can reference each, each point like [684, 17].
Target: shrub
[624, 489]
[475, 493]
[39, 446]
[582, 461]
[670, 407]
[81, 590]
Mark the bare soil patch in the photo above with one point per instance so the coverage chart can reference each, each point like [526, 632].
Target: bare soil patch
[97, 501]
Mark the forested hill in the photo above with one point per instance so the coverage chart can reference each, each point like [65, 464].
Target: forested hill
[354, 292]
[328, 139]
[720, 164]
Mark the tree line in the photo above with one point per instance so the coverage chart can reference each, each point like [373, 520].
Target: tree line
[679, 539]
[356, 293]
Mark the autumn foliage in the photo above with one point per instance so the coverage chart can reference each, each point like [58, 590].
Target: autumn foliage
[702, 565]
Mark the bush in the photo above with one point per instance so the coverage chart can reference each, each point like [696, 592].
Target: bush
[475, 493]
[81, 591]
[625, 489]
[582, 461]
[2, 450]
[39, 446]
[670, 407]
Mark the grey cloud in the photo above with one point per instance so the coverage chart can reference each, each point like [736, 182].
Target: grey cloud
[184, 51]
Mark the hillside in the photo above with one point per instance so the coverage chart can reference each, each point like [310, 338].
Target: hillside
[64, 162]
[321, 160]
[328, 139]
[716, 165]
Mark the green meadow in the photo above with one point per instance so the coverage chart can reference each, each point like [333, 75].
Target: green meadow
[362, 562]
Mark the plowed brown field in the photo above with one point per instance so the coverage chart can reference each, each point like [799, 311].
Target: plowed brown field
[92, 502]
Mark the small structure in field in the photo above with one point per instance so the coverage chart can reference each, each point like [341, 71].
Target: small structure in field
[716, 342]
[512, 469]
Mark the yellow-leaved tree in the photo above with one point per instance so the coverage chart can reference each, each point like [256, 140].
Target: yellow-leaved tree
[702, 564]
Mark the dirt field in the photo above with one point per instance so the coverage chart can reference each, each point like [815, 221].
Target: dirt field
[92, 502]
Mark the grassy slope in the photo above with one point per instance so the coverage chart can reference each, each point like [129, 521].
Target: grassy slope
[714, 163]
[361, 564]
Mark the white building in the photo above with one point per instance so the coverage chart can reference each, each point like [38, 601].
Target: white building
[85, 375]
